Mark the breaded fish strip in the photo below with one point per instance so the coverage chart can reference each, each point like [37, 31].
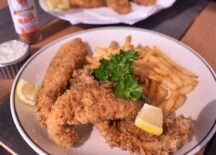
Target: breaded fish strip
[87, 3]
[61, 133]
[86, 102]
[127, 136]
[121, 6]
[70, 56]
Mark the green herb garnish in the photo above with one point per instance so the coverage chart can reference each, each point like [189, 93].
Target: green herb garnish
[120, 70]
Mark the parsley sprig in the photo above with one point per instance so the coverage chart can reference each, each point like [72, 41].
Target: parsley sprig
[120, 70]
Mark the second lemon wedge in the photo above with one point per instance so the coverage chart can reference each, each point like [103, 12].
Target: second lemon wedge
[150, 119]
[27, 92]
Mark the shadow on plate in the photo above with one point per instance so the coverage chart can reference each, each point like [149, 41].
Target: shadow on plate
[206, 121]
[90, 52]
[84, 132]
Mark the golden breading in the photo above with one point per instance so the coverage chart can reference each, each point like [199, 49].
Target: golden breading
[61, 133]
[87, 3]
[70, 56]
[124, 134]
[121, 6]
[85, 102]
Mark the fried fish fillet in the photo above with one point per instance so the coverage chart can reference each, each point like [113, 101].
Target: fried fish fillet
[70, 56]
[86, 101]
[121, 6]
[87, 3]
[127, 136]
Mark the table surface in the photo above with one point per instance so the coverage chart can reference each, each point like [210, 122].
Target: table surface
[191, 22]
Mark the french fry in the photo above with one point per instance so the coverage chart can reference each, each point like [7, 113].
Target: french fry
[161, 94]
[183, 70]
[157, 69]
[127, 45]
[93, 66]
[180, 100]
[145, 83]
[147, 56]
[165, 89]
[161, 64]
[168, 104]
[113, 51]
[155, 77]
[145, 90]
[187, 80]
[178, 82]
[113, 45]
[92, 61]
[100, 51]
[186, 89]
[152, 92]
[142, 51]
[168, 83]
[151, 66]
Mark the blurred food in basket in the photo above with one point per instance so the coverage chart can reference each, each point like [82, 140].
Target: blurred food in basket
[122, 7]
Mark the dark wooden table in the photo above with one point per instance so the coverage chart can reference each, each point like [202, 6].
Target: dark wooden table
[192, 22]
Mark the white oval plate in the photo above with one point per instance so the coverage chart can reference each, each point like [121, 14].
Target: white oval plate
[200, 104]
[105, 15]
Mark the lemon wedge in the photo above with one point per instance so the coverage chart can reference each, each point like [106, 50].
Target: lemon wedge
[27, 92]
[58, 4]
[150, 119]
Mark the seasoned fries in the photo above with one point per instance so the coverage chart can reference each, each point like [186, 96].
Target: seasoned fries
[164, 82]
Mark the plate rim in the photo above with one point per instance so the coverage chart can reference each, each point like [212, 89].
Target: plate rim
[40, 150]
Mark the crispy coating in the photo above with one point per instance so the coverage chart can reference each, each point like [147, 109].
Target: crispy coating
[145, 2]
[87, 3]
[70, 56]
[127, 136]
[121, 6]
[86, 101]
[62, 134]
